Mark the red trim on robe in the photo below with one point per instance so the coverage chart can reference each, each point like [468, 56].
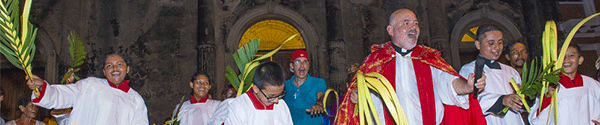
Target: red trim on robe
[568, 83]
[202, 100]
[123, 86]
[42, 93]
[256, 102]
[545, 104]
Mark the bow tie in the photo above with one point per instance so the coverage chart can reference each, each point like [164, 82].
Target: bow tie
[402, 51]
[490, 63]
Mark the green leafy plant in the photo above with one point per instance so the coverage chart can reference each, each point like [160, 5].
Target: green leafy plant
[533, 76]
[244, 59]
[77, 52]
[17, 35]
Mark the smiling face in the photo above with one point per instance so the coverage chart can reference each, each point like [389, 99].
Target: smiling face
[517, 55]
[270, 91]
[490, 47]
[29, 111]
[300, 67]
[200, 86]
[404, 29]
[115, 69]
[571, 62]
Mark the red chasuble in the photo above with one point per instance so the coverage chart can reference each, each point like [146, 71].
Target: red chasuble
[383, 61]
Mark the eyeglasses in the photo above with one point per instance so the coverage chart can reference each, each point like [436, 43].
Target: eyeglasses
[270, 99]
[298, 62]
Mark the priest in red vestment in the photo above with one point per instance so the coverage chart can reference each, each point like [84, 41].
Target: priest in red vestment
[429, 90]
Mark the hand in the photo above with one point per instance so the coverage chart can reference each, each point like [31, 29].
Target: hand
[596, 122]
[315, 109]
[513, 101]
[480, 82]
[354, 96]
[35, 82]
[71, 79]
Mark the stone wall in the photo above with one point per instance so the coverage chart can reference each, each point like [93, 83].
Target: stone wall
[168, 40]
[158, 36]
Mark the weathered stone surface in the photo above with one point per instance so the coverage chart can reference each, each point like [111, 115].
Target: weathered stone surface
[168, 40]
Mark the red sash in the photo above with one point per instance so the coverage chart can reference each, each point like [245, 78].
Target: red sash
[425, 85]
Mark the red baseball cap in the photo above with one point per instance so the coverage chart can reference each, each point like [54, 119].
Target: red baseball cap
[299, 53]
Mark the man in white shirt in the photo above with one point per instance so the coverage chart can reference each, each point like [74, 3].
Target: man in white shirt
[498, 92]
[262, 104]
[96, 101]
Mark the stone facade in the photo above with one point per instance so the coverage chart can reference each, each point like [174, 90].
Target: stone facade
[168, 40]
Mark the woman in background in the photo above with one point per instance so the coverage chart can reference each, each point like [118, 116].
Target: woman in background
[28, 112]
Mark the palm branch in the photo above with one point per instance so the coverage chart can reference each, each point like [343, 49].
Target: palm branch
[77, 52]
[17, 35]
[244, 59]
[378, 83]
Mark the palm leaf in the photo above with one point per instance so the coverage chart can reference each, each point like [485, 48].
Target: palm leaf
[244, 59]
[17, 35]
[77, 52]
[379, 84]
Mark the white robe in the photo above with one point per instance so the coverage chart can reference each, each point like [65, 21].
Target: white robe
[197, 113]
[497, 83]
[408, 93]
[242, 112]
[576, 106]
[220, 113]
[94, 102]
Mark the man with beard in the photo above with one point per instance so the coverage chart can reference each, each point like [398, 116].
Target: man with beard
[516, 54]
[304, 92]
[427, 87]
[199, 109]
[96, 101]
[498, 92]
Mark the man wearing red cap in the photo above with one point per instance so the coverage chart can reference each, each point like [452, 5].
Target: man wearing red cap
[304, 93]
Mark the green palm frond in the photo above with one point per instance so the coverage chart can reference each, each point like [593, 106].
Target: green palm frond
[17, 34]
[77, 52]
[244, 59]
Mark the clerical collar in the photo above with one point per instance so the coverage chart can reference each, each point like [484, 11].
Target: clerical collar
[123, 86]
[257, 104]
[402, 51]
[202, 100]
[492, 64]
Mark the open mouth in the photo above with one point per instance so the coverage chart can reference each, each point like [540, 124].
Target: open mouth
[115, 73]
[567, 65]
[412, 34]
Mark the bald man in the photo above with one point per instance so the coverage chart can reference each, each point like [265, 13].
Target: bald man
[421, 99]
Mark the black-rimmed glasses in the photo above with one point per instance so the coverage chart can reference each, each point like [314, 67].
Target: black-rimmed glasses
[270, 99]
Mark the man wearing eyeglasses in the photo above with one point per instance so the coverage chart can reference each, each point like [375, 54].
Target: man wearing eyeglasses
[262, 104]
[304, 93]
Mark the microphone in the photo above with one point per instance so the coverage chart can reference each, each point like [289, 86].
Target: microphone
[478, 72]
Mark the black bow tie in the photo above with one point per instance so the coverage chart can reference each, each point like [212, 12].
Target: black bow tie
[399, 50]
[490, 63]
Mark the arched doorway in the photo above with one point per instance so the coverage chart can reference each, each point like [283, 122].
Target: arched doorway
[462, 48]
[273, 33]
[313, 42]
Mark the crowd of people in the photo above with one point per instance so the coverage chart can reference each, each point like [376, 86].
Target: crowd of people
[429, 90]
